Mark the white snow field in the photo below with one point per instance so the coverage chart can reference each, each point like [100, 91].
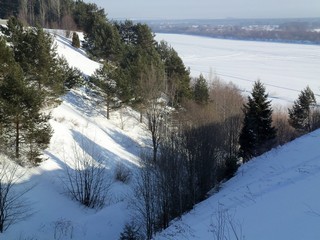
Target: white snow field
[275, 196]
[285, 69]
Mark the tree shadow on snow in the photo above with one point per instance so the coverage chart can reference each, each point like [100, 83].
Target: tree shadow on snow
[94, 150]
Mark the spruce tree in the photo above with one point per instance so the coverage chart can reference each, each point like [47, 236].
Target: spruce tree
[300, 115]
[258, 134]
[201, 90]
[75, 40]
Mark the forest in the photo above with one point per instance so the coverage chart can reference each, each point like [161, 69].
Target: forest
[200, 132]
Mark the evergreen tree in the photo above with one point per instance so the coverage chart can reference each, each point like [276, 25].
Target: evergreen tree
[6, 59]
[300, 115]
[178, 77]
[127, 31]
[75, 40]
[14, 31]
[22, 124]
[201, 91]
[103, 41]
[31, 73]
[34, 51]
[87, 15]
[73, 77]
[257, 134]
[102, 78]
[139, 60]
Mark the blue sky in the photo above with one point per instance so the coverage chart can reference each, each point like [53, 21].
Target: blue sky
[215, 9]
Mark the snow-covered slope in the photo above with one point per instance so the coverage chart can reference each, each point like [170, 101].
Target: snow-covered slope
[275, 196]
[76, 57]
[81, 119]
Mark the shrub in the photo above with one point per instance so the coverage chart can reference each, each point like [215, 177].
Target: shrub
[122, 173]
[75, 40]
[131, 232]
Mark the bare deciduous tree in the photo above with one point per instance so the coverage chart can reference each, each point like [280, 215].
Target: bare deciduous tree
[151, 86]
[155, 116]
[285, 133]
[86, 178]
[145, 197]
[225, 227]
[13, 205]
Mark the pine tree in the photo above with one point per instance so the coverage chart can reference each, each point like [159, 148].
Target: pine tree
[21, 121]
[34, 51]
[300, 115]
[24, 131]
[102, 39]
[102, 78]
[257, 134]
[75, 40]
[201, 91]
[178, 76]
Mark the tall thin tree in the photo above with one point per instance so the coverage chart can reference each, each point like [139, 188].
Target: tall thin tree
[257, 133]
[300, 115]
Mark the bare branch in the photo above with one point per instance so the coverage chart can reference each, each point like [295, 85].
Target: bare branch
[13, 206]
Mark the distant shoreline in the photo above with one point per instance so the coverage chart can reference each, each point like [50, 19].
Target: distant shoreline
[243, 39]
[294, 31]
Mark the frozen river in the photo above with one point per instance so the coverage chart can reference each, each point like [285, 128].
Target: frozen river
[285, 69]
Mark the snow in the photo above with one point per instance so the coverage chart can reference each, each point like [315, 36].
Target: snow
[75, 57]
[285, 69]
[81, 119]
[274, 196]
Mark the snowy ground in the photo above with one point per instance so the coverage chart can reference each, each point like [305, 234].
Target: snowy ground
[80, 121]
[285, 69]
[275, 196]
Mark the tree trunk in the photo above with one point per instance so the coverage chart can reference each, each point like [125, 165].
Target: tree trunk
[141, 116]
[17, 138]
[108, 109]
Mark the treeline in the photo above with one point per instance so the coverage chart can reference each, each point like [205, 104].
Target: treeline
[204, 143]
[283, 34]
[45, 13]
[135, 68]
[32, 77]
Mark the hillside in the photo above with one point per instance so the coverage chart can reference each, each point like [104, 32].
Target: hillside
[275, 196]
[267, 199]
[80, 121]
